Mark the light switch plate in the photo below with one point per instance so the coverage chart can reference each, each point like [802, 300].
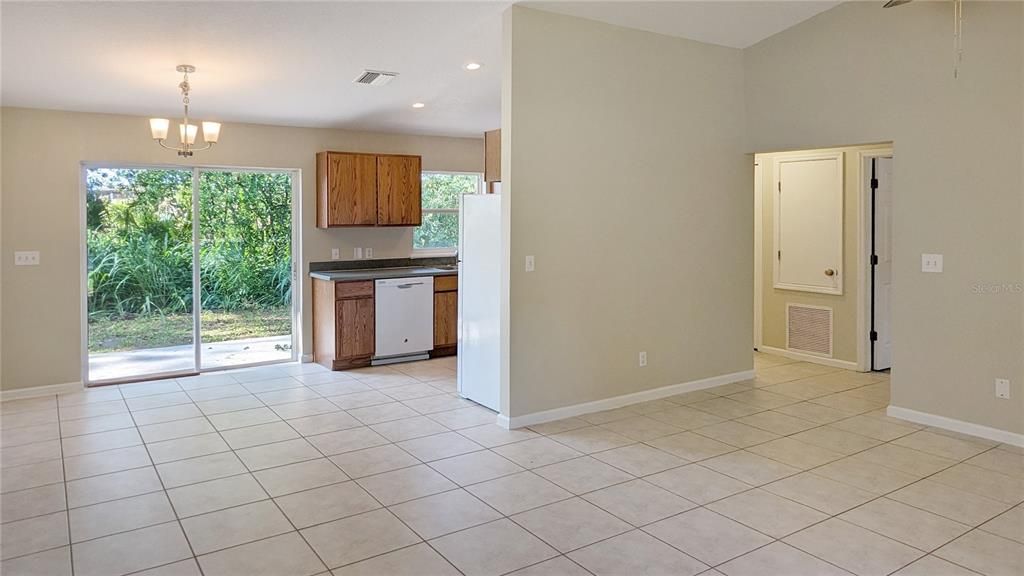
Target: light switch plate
[357, 253]
[643, 359]
[1002, 388]
[931, 262]
[28, 258]
[368, 252]
[335, 254]
[530, 264]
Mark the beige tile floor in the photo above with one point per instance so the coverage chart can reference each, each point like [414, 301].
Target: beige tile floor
[294, 470]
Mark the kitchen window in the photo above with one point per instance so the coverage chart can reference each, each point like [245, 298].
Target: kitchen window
[439, 232]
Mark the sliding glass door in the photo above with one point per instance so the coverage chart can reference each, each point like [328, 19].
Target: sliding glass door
[245, 267]
[187, 270]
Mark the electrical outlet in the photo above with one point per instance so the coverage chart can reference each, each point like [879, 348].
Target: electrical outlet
[26, 258]
[643, 359]
[931, 262]
[357, 253]
[368, 252]
[335, 254]
[1003, 388]
[529, 264]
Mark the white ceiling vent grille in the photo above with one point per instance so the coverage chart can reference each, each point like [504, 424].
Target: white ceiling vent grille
[375, 77]
[809, 329]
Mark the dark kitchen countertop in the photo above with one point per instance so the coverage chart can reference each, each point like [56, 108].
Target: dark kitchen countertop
[346, 271]
[382, 273]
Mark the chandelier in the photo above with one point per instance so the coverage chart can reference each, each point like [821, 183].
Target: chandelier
[187, 132]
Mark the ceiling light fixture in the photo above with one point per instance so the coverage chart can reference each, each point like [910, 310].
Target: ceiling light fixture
[418, 105]
[186, 132]
[473, 66]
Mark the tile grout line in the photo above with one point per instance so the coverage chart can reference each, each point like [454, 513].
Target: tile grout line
[167, 497]
[64, 477]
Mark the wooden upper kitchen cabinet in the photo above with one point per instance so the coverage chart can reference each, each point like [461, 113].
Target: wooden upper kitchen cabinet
[492, 156]
[346, 189]
[398, 191]
[446, 315]
[367, 190]
[343, 323]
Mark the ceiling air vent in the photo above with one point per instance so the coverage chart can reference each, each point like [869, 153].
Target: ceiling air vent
[375, 77]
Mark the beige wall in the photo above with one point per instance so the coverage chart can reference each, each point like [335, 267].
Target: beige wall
[858, 73]
[626, 179]
[844, 307]
[42, 152]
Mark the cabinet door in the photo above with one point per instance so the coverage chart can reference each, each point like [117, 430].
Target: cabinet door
[355, 328]
[351, 189]
[398, 191]
[446, 319]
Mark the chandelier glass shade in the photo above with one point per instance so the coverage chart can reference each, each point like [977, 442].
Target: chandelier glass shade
[187, 131]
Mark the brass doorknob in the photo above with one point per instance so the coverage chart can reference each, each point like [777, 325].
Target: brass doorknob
[830, 272]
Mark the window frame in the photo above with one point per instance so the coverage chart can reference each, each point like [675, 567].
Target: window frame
[442, 252]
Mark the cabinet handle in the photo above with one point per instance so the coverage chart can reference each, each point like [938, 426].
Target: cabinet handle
[830, 272]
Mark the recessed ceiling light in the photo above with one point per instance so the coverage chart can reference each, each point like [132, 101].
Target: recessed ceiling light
[473, 66]
[418, 105]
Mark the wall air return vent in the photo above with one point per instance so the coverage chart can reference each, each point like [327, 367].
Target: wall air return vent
[375, 77]
[809, 329]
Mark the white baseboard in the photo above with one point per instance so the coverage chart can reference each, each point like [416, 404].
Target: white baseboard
[833, 362]
[620, 401]
[38, 391]
[306, 358]
[956, 425]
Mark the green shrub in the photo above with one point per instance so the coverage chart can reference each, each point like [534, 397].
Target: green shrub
[140, 241]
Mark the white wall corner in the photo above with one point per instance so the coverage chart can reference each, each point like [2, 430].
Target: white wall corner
[39, 391]
[620, 401]
[955, 425]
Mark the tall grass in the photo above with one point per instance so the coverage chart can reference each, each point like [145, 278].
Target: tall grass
[140, 242]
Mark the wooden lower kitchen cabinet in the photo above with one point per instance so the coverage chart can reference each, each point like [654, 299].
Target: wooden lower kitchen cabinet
[446, 316]
[343, 323]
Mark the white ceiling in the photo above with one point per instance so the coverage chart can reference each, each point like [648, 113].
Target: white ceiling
[285, 63]
[737, 24]
[292, 63]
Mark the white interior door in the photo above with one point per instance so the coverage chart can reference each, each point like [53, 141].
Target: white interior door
[809, 223]
[881, 357]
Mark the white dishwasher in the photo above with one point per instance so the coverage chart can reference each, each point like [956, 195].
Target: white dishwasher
[404, 326]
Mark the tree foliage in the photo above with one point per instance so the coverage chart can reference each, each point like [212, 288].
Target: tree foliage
[441, 192]
[139, 233]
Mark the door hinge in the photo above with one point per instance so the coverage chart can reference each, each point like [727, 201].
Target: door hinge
[874, 259]
[874, 183]
[874, 336]
[780, 254]
[780, 185]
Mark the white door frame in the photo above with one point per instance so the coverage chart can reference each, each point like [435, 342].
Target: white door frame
[864, 158]
[195, 169]
[758, 254]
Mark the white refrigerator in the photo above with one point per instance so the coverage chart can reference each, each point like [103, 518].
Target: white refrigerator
[479, 360]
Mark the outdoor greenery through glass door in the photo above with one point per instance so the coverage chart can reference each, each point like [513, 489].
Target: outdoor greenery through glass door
[139, 240]
[245, 267]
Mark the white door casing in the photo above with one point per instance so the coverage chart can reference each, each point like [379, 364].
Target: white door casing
[882, 278]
